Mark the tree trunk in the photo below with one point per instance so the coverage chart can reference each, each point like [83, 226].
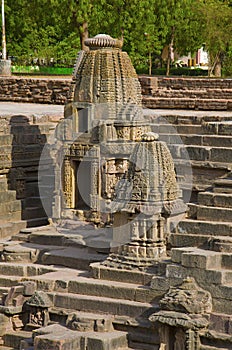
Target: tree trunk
[84, 34]
[216, 66]
[170, 49]
[217, 72]
[168, 64]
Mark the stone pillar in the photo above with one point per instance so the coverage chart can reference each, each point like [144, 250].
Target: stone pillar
[5, 67]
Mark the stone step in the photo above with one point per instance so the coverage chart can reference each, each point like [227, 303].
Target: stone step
[32, 189]
[204, 227]
[84, 321]
[226, 260]
[218, 214]
[219, 322]
[10, 207]
[6, 140]
[201, 153]
[21, 269]
[215, 199]
[13, 338]
[189, 240]
[34, 201]
[197, 258]
[71, 257]
[216, 140]
[7, 196]
[72, 282]
[189, 93]
[197, 140]
[11, 228]
[209, 347]
[210, 276]
[191, 117]
[99, 304]
[3, 183]
[42, 221]
[33, 213]
[223, 185]
[3, 347]
[176, 129]
[186, 103]
[11, 216]
[216, 340]
[56, 336]
[10, 281]
[218, 128]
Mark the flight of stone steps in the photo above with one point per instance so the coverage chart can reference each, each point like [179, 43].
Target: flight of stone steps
[209, 220]
[21, 144]
[199, 143]
[186, 93]
[58, 262]
[213, 272]
[10, 210]
[123, 308]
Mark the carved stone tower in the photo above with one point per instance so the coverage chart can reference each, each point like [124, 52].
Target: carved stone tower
[103, 120]
[115, 172]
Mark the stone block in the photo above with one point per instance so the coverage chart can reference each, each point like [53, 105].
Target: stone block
[221, 323]
[160, 284]
[199, 153]
[222, 306]
[4, 324]
[214, 214]
[129, 276]
[221, 155]
[176, 271]
[207, 227]
[176, 253]
[217, 141]
[12, 269]
[202, 259]
[82, 321]
[29, 288]
[68, 340]
[206, 198]
[13, 293]
[223, 200]
[225, 128]
[189, 240]
[106, 341]
[117, 290]
[99, 304]
[14, 338]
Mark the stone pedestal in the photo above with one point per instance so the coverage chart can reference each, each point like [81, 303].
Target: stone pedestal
[5, 67]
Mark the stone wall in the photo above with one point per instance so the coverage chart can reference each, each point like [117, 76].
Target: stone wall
[34, 90]
[187, 93]
[158, 92]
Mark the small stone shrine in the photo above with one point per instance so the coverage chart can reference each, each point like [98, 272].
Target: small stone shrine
[184, 313]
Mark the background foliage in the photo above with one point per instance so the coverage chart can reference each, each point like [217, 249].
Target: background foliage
[53, 31]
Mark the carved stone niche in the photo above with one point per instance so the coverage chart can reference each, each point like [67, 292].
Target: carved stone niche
[184, 313]
[37, 308]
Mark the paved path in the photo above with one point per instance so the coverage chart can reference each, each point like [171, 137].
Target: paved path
[28, 109]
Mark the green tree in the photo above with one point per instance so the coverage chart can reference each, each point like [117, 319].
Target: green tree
[216, 31]
[179, 27]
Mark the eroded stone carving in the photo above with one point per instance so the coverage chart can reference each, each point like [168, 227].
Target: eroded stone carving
[184, 313]
[38, 306]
